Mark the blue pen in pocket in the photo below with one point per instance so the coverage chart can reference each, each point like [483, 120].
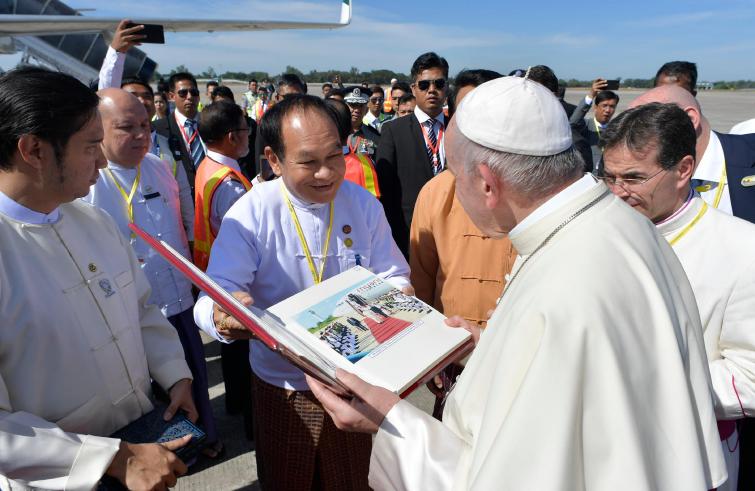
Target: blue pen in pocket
[358, 259]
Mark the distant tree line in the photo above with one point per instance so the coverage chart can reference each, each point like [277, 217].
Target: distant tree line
[355, 76]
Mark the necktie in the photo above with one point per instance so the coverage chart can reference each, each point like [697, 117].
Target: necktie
[433, 151]
[195, 144]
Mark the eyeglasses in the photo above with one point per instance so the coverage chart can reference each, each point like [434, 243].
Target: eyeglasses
[629, 182]
[424, 85]
[182, 93]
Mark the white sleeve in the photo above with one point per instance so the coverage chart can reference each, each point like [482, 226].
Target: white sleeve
[111, 73]
[38, 454]
[387, 260]
[414, 451]
[733, 376]
[186, 200]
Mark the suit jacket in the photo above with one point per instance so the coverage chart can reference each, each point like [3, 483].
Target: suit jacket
[248, 163]
[403, 167]
[168, 127]
[739, 152]
[585, 136]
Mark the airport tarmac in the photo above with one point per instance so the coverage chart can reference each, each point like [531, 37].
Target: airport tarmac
[237, 469]
[723, 108]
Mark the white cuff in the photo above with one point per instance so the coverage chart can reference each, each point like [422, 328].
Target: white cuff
[94, 457]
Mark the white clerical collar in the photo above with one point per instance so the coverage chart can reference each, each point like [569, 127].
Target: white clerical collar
[709, 166]
[685, 216]
[20, 213]
[223, 160]
[422, 116]
[554, 203]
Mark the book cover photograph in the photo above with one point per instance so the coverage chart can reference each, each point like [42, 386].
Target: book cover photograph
[358, 321]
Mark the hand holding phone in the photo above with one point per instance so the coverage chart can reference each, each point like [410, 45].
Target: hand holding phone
[151, 33]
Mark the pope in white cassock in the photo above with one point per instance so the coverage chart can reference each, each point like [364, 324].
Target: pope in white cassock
[592, 373]
[649, 157]
[79, 344]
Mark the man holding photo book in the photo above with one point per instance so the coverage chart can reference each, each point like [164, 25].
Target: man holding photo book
[281, 238]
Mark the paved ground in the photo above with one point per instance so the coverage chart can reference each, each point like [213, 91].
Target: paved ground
[237, 469]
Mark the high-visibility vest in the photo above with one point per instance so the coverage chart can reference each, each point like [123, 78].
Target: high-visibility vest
[360, 170]
[210, 175]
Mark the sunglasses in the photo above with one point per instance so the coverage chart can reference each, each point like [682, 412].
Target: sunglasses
[424, 85]
[182, 93]
[376, 99]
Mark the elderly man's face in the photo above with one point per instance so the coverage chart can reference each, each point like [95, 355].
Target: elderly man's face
[127, 133]
[638, 179]
[313, 165]
[470, 188]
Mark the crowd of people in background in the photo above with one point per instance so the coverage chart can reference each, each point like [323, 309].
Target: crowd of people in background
[277, 190]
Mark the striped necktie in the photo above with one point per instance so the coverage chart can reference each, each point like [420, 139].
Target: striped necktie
[195, 143]
[433, 144]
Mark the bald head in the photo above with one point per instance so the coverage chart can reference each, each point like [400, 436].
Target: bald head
[666, 94]
[126, 125]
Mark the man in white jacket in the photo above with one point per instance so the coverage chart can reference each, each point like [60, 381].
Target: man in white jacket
[649, 161]
[592, 372]
[78, 342]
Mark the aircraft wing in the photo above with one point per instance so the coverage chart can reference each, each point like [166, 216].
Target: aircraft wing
[43, 25]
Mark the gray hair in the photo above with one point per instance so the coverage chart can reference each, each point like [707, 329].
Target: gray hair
[529, 175]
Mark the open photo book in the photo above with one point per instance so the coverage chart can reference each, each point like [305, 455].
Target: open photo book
[355, 321]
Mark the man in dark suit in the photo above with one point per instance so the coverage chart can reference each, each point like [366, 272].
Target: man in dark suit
[411, 148]
[181, 127]
[543, 75]
[604, 104]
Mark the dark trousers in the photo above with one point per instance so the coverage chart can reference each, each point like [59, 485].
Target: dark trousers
[188, 333]
[746, 429]
[237, 376]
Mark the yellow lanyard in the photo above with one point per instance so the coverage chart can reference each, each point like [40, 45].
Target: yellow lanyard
[689, 226]
[128, 198]
[720, 191]
[597, 126]
[317, 277]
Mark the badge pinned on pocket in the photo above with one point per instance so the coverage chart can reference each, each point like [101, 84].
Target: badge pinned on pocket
[106, 287]
[748, 181]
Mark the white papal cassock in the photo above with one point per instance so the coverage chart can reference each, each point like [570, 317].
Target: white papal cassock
[591, 374]
[78, 344]
[716, 250]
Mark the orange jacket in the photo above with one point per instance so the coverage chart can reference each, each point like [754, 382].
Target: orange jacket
[360, 170]
[209, 176]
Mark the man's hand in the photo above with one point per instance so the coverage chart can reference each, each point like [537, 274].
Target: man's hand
[180, 398]
[597, 85]
[126, 38]
[151, 466]
[361, 414]
[227, 326]
[457, 321]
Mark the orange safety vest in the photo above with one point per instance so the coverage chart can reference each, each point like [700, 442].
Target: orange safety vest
[210, 175]
[360, 170]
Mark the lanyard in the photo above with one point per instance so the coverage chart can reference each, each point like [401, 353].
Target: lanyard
[183, 132]
[128, 198]
[433, 148]
[689, 226]
[597, 126]
[719, 190]
[317, 277]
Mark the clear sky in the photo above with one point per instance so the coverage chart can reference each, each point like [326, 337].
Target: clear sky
[628, 39]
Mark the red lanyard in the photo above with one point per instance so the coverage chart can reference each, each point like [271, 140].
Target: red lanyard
[183, 132]
[433, 148]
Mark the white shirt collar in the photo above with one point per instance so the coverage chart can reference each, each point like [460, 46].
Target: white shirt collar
[709, 166]
[368, 118]
[20, 213]
[224, 160]
[181, 119]
[422, 116]
[573, 190]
